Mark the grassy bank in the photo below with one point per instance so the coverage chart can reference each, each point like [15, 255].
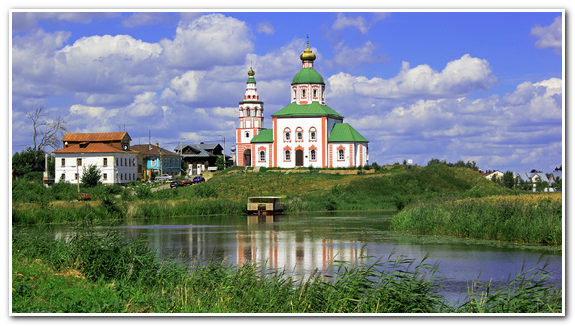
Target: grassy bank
[101, 272]
[526, 218]
[394, 187]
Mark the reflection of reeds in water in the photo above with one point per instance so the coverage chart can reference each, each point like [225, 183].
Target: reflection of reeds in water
[124, 276]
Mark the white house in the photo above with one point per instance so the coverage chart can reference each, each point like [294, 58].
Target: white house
[110, 152]
[307, 132]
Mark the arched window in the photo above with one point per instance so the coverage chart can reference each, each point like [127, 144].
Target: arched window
[299, 134]
[262, 156]
[287, 134]
[287, 155]
[303, 93]
[315, 93]
[312, 155]
[312, 134]
[341, 154]
[248, 112]
[294, 93]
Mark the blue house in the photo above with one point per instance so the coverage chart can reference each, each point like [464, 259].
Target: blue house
[159, 160]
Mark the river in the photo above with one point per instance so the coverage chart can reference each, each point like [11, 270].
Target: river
[302, 243]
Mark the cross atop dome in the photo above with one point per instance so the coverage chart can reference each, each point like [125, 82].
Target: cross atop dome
[307, 56]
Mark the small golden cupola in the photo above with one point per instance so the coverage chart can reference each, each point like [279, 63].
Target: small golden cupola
[307, 55]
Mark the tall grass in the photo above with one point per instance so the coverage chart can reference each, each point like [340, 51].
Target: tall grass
[101, 272]
[528, 218]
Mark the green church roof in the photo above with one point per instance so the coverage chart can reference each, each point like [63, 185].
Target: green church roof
[307, 76]
[251, 80]
[265, 136]
[305, 110]
[343, 132]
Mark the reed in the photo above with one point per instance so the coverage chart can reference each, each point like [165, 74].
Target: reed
[525, 219]
[101, 272]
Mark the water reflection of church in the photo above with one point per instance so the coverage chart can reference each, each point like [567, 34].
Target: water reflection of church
[300, 251]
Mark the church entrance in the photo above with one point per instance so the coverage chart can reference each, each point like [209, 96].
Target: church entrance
[299, 157]
[247, 157]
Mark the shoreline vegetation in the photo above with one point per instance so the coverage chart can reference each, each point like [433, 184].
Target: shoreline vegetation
[102, 272]
[435, 199]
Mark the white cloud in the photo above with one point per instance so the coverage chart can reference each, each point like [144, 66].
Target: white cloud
[144, 105]
[343, 22]
[345, 56]
[265, 27]
[208, 40]
[459, 77]
[184, 88]
[549, 36]
[108, 64]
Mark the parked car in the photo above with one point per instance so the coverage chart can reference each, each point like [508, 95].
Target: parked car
[199, 179]
[177, 183]
[84, 196]
[164, 177]
[187, 182]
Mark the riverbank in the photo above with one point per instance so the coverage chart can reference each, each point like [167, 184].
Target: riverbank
[534, 218]
[98, 271]
[414, 191]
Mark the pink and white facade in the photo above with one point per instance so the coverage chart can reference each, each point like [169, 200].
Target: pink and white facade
[305, 133]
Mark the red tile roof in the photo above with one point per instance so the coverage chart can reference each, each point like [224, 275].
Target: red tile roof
[93, 148]
[95, 137]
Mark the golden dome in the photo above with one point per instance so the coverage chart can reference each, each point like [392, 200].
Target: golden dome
[251, 73]
[307, 55]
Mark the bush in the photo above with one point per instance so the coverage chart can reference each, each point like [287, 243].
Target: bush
[143, 192]
[91, 176]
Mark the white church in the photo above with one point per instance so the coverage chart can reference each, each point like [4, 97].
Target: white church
[305, 133]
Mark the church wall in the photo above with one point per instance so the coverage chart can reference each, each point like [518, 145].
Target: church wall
[305, 144]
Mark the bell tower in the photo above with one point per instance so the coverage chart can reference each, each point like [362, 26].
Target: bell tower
[251, 121]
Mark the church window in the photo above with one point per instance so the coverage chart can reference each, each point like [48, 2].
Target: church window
[247, 134]
[315, 93]
[248, 112]
[312, 134]
[312, 155]
[287, 155]
[294, 93]
[299, 134]
[303, 93]
[287, 134]
[262, 156]
[341, 155]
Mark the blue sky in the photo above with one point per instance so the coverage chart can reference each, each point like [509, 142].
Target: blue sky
[472, 86]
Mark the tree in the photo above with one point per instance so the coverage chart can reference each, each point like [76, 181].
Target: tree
[508, 179]
[220, 163]
[45, 132]
[558, 184]
[91, 176]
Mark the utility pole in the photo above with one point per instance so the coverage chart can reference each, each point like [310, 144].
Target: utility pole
[161, 162]
[181, 156]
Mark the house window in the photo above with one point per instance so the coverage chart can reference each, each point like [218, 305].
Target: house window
[341, 154]
[287, 155]
[105, 176]
[63, 162]
[121, 176]
[125, 162]
[63, 176]
[153, 162]
[79, 161]
[262, 156]
[312, 155]
[105, 161]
